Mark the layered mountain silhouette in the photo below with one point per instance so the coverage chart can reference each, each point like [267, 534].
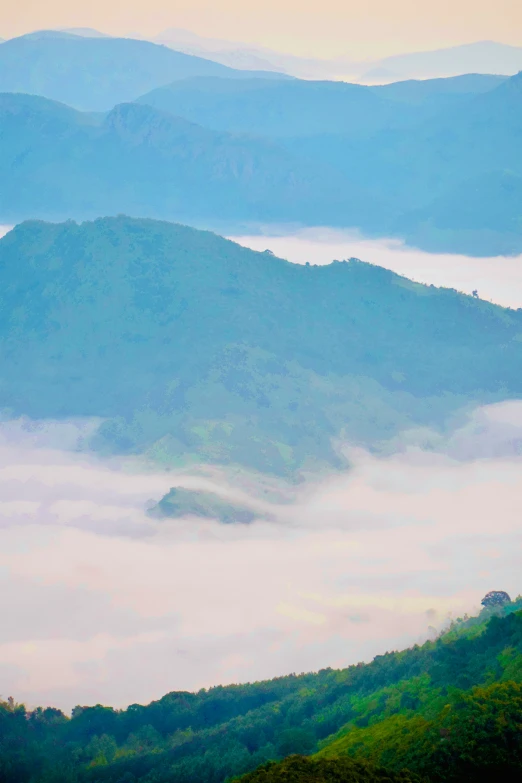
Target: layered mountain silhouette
[306, 108]
[95, 73]
[59, 163]
[191, 346]
[225, 152]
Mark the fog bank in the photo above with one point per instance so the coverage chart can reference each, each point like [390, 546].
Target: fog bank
[104, 604]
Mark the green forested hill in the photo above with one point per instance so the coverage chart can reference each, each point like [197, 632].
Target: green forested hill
[448, 710]
[193, 347]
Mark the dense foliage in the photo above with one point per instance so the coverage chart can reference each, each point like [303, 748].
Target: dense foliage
[463, 688]
[195, 348]
[299, 769]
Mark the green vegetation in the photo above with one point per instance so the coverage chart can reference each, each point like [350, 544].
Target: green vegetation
[192, 348]
[298, 769]
[447, 710]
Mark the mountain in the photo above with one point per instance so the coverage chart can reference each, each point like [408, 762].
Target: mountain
[446, 710]
[231, 53]
[478, 57]
[483, 214]
[423, 91]
[227, 153]
[481, 57]
[416, 169]
[86, 32]
[58, 163]
[306, 108]
[94, 73]
[238, 54]
[193, 348]
[270, 108]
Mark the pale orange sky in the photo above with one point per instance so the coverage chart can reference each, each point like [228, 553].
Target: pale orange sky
[371, 29]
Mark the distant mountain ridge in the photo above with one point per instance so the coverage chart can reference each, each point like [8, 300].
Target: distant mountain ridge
[484, 57]
[228, 153]
[59, 163]
[94, 74]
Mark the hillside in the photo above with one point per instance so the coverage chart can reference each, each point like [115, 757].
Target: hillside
[94, 74]
[465, 688]
[195, 348]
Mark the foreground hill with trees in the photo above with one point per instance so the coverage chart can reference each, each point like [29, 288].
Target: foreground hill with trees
[447, 710]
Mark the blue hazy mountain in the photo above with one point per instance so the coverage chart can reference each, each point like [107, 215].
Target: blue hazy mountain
[95, 73]
[307, 108]
[58, 163]
[477, 57]
[194, 347]
[393, 160]
[432, 164]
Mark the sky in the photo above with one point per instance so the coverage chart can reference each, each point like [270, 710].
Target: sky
[332, 28]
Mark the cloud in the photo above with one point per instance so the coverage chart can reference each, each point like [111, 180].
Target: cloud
[105, 604]
[496, 279]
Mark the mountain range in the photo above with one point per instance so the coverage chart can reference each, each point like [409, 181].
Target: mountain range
[482, 57]
[192, 348]
[406, 159]
[94, 73]
[59, 163]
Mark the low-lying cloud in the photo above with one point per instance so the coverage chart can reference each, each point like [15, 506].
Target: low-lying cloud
[104, 604]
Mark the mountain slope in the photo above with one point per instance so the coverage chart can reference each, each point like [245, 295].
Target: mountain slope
[181, 338]
[409, 699]
[92, 73]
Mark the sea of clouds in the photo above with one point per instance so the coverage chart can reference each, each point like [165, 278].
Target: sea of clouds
[102, 603]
